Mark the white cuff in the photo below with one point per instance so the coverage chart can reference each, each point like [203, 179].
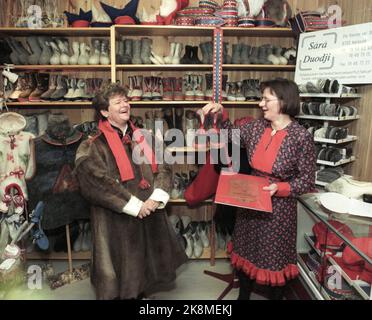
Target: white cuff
[133, 206]
[161, 196]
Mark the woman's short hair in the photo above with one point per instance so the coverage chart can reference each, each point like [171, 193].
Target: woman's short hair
[102, 100]
[287, 92]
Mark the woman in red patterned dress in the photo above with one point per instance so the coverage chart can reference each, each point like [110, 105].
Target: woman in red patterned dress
[263, 249]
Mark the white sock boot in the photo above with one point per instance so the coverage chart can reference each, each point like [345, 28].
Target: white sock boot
[96, 47]
[169, 57]
[177, 53]
[76, 51]
[84, 56]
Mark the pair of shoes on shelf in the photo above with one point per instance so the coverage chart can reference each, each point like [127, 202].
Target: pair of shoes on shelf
[83, 241]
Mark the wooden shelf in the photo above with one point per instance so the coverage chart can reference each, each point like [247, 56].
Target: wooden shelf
[219, 254]
[336, 164]
[71, 32]
[200, 31]
[257, 32]
[184, 102]
[200, 67]
[325, 118]
[95, 67]
[132, 103]
[167, 31]
[49, 104]
[163, 67]
[333, 141]
[259, 67]
[331, 95]
[81, 255]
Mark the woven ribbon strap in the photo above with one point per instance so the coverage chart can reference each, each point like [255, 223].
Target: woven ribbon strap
[217, 65]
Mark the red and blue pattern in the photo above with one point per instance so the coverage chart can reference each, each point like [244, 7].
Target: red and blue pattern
[264, 244]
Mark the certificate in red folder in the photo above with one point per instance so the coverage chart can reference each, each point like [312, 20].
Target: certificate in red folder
[245, 191]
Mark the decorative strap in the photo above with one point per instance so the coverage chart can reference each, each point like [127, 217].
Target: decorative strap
[217, 65]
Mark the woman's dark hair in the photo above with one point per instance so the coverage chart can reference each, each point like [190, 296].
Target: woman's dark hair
[287, 92]
[102, 100]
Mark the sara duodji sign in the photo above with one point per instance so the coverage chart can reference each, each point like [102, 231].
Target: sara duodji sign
[343, 53]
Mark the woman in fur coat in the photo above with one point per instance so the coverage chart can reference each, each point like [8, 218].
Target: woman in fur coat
[134, 245]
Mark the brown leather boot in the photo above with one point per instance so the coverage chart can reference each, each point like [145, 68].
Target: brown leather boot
[29, 86]
[42, 80]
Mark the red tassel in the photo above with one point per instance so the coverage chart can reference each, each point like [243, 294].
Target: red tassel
[144, 184]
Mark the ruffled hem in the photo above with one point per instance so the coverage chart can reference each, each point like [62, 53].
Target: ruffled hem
[262, 276]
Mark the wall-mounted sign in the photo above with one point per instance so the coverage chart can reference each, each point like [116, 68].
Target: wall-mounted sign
[342, 53]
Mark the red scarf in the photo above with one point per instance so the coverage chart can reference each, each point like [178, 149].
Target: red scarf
[118, 150]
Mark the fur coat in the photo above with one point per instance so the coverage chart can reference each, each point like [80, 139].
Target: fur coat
[130, 256]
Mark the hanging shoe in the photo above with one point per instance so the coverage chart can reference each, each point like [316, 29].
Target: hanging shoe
[38, 234]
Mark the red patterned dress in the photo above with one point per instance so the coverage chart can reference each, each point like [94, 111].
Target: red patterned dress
[264, 244]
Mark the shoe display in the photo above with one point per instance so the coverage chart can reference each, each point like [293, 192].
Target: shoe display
[158, 86]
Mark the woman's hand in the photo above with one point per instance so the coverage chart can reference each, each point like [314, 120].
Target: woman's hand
[212, 107]
[147, 208]
[273, 188]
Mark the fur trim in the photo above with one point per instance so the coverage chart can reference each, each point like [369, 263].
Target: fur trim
[255, 7]
[279, 11]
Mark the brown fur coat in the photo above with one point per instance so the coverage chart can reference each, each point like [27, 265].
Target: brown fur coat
[130, 256]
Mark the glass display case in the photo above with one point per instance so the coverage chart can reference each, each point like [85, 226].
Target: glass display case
[334, 252]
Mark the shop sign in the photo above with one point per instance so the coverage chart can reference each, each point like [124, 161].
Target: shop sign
[342, 53]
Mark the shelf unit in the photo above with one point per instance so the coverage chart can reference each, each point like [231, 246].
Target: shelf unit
[149, 31]
[311, 212]
[327, 98]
